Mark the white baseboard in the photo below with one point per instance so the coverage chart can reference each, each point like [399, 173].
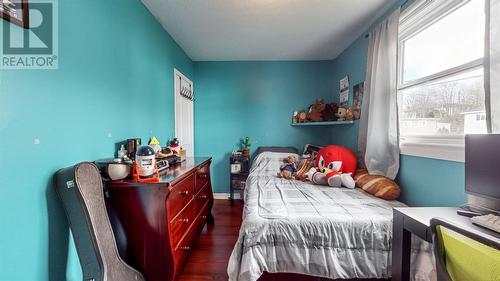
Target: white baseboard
[225, 196]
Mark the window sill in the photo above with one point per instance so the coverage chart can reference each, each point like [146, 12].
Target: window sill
[449, 152]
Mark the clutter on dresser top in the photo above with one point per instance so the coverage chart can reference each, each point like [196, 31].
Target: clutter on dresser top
[143, 163]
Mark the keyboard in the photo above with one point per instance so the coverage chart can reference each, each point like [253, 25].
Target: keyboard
[488, 221]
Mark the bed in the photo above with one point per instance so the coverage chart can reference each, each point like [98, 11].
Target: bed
[295, 227]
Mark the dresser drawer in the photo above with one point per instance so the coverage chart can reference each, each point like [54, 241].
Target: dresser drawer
[180, 225]
[180, 195]
[185, 246]
[202, 177]
[202, 198]
[202, 217]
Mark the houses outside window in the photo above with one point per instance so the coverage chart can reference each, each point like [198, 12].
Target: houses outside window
[440, 77]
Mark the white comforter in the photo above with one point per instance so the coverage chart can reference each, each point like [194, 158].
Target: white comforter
[297, 227]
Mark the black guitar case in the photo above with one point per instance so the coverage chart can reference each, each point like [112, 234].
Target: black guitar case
[81, 192]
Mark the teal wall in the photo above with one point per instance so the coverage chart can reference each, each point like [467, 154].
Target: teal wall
[115, 80]
[255, 99]
[431, 182]
[424, 181]
[115, 76]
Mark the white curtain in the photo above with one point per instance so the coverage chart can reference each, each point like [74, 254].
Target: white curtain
[378, 128]
[492, 65]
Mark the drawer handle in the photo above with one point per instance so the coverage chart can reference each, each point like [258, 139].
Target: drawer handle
[186, 248]
[203, 197]
[184, 193]
[204, 217]
[185, 221]
[203, 175]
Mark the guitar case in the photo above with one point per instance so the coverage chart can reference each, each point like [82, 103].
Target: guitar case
[81, 191]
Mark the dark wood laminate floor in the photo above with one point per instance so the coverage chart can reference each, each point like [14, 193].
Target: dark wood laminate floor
[210, 256]
[208, 261]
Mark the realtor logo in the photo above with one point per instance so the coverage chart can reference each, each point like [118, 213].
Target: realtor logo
[33, 48]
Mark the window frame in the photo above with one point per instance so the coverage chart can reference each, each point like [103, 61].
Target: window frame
[416, 18]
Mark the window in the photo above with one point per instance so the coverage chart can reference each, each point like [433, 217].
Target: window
[440, 77]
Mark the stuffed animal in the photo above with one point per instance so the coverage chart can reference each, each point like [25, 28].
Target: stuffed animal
[335, 166]
[288, 169]
[349, 116]
[329, 112]
[302, 117]
[315, 111]
[341, 113]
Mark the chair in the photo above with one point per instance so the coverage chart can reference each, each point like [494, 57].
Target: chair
[462, 255]
[81, 192]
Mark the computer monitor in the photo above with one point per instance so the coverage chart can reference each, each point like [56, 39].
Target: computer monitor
[482, 172]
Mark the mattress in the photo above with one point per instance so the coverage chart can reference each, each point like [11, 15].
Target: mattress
[296, 227]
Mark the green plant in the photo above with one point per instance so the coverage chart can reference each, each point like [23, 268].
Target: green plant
[245, 143]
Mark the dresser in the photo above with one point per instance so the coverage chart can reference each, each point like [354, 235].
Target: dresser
[156, 224]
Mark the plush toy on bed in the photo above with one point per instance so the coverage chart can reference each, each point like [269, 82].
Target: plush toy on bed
[335, 166]
[288, 169]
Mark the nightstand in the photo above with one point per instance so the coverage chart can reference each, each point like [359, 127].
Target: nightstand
[239, 167]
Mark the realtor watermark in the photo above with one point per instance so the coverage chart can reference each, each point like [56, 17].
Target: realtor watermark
[33, 48]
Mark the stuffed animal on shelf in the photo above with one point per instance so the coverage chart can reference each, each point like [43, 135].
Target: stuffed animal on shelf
[315, 111]
[288, 169]
[335, 167]
[302, 117]
[329, 112]
[341, 114]
[349, 116]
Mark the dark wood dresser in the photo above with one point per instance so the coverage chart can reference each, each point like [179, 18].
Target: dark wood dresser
[157, 223]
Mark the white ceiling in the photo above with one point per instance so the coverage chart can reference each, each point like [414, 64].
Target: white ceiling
[228, 30]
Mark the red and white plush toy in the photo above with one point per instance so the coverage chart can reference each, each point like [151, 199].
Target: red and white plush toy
[335, 166]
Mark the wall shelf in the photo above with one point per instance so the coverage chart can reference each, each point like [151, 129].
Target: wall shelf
[330, 123]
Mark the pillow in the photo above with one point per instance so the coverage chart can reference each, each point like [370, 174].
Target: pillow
[376, 185]
[282, 149]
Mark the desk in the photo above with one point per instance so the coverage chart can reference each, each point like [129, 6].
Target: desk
[407, 221]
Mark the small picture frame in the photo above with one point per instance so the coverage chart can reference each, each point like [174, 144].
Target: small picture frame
[235, 168]
[15, 11]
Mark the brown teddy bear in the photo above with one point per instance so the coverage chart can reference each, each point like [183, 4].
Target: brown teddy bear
[288, 169]
[315, 111]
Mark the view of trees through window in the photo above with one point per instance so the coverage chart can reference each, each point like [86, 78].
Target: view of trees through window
[453, 106]
[441, 87]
